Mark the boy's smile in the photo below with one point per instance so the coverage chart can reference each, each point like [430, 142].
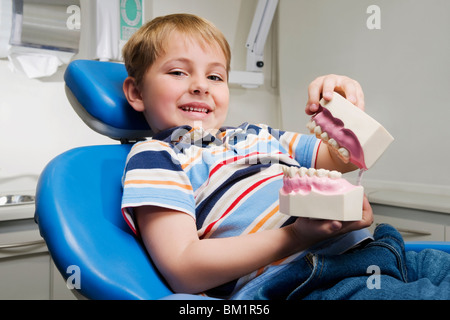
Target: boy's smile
[186, 84]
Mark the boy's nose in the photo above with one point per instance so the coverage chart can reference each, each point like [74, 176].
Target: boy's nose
[199, 86]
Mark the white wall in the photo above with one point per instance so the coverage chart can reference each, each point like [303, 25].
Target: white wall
[404, 69]
[37, 122]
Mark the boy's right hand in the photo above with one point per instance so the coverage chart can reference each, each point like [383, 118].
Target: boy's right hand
[323, 87]
[315, 230]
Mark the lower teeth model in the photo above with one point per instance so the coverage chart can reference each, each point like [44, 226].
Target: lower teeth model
[320, 194]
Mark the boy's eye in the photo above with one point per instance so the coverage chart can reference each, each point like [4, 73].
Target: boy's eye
[176, 73]
[214, 78]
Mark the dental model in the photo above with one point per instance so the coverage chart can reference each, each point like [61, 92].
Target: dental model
[323, 194]
[320, 194]
[355, 136]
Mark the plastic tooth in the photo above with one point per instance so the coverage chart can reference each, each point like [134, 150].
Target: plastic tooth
[321, 173]
[311, 125]
[333, 143]
[292, 172]
[302, 171]
[324, 136]
[311, 172]
[318, 131]
[335, 174]
[344, 152]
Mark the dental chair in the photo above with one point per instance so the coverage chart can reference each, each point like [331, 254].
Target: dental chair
[79, 193]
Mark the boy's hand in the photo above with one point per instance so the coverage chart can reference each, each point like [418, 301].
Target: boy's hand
[324, 87]
[314, 230]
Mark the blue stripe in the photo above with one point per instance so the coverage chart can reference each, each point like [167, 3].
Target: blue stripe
[171, 197]
[204, 208]
[160, 159]
[304, 150]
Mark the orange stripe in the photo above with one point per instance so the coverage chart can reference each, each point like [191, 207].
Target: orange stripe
[291, 145]
[150, 141]
[199, 153]
[156, 182]
[222, 150]
[267, 217]
[221, 135]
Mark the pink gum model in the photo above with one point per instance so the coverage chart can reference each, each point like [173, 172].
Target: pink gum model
[320, 194]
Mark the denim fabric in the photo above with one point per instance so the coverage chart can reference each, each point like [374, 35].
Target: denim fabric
[381, 270]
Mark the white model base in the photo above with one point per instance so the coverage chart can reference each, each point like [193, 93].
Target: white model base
[341, 207]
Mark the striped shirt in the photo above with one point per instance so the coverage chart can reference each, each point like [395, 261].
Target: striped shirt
[227, 181]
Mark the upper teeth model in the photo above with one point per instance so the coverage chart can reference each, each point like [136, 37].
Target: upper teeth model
[356, 136]
[319, 194]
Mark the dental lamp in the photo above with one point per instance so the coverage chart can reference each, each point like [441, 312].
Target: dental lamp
[253, 77]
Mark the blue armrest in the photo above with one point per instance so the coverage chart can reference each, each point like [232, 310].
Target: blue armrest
[421, 245]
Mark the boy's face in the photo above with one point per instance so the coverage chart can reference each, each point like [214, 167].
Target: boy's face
[187, 85]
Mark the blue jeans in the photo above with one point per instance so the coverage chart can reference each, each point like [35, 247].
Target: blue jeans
[380, 270]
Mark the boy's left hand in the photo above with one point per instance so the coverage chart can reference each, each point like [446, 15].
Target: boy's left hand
[316, 230]
[325, 85]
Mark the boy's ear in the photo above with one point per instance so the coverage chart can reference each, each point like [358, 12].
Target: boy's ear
[133, 94]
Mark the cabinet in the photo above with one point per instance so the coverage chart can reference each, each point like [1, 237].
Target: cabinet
[26, 269]
[418, 215]
[413, 224]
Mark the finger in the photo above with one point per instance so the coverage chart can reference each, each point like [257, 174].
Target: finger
[360, 97]
[367, 212]
[349, 89]
[330, 83]
[353, 92]
[314, 96]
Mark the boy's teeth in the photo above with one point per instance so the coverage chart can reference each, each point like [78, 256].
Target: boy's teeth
[204, 110]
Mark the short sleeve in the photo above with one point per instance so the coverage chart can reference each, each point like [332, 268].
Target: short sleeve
[153, 176]
[302, 147]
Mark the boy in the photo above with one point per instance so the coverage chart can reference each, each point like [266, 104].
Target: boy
[205, 200]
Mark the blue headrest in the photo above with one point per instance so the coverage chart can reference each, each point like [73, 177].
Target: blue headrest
[94, 89]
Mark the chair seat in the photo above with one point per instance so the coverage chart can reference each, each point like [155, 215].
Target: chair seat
[78, 211]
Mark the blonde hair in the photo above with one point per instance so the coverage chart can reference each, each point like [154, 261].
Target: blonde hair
[147, 44]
